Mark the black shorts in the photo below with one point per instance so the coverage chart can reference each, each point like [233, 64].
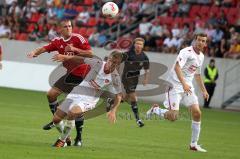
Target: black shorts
[130, 84]
[67, 82]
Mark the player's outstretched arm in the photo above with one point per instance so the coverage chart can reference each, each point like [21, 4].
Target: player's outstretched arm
[62, 58]
[112, 114]
[200, 83]
[179, 73]
[36, 52]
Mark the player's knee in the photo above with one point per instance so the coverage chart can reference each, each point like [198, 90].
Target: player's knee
[52, 95]
[196, 115]
[56, 119]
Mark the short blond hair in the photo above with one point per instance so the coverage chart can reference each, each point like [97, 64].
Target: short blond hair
[139, 39]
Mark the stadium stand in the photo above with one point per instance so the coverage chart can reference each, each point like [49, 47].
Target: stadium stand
[170, 24]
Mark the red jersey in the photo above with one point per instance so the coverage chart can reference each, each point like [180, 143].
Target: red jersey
[76, 40]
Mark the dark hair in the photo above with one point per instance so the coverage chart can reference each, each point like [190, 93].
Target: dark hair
[212, 60]
[201, 35]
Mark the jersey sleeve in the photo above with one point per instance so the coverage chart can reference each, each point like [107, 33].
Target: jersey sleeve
[115, 86]
[93, 62]
[52, 46]
[182, 58]
[84, 44]
[146, 64]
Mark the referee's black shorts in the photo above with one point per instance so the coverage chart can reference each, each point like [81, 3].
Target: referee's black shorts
[67, 82]
[130, 84]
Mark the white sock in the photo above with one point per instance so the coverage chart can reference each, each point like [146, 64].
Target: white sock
[67, 129]
[160, 112]
[60, 127]
[196, 128]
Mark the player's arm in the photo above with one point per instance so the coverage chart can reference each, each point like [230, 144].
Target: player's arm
[62, 58]
[146, 66]
[179, 73]
[112, 114]
[81, 52]
[146, 76]
[200, 83]
[36, 52]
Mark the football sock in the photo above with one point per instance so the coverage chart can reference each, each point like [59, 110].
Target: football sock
[79, 127]
[53, 106]
[195, 131]
[135, 110]
[67, 129]
[60, 127]
[160, 112]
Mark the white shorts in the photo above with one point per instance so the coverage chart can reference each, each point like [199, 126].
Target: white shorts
[76, 100]
[173, 99]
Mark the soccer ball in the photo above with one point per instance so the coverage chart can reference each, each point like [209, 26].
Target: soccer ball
[110, 9]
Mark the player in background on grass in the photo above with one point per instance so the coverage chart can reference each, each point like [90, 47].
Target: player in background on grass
[68, 44]
[102, 76]
[186, 67]
[135, 61]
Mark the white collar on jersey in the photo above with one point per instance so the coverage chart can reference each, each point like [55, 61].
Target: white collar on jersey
[67, 38]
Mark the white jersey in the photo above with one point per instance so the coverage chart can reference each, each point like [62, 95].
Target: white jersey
[96, 82]
[190, 63]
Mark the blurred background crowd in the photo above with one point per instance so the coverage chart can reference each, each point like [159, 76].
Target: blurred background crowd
[166, 25]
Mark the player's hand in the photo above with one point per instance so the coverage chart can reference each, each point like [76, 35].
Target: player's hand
[145, 82]
[69, 48]
[111, 116]
[205, 95]
[187, 89]
[31, 55]
[59, 58]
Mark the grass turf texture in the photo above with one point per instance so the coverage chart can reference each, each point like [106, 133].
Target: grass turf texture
[22, 114]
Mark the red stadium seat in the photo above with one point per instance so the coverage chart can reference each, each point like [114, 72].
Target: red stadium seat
[83, 31]
[30, 28]
[215, 10]
[232, 16]
[92, 22]
[204, 12]
[22, 36]
[88, 2]
[89, 31]
[194, 10]
[79, 8]
[35, 17]
[179, 21]
[76, 29]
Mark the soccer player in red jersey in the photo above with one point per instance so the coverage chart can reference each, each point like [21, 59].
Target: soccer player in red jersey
[68, 44]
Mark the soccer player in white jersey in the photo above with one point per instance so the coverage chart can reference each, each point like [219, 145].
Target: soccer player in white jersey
[186, 67]
[103, 76]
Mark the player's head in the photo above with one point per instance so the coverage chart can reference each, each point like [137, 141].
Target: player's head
[212, 63]
[65, 28]
[201, 41]
[139, 44]
[114, 60]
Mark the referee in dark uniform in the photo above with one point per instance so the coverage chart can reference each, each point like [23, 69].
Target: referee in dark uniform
[135, 61]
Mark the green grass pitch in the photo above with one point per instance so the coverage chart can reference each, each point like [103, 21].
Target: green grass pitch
[22, 114]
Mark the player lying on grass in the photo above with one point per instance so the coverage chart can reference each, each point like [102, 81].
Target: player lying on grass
[84, 97]
[187, 66]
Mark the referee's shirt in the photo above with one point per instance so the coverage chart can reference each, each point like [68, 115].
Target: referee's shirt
[134, 63]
